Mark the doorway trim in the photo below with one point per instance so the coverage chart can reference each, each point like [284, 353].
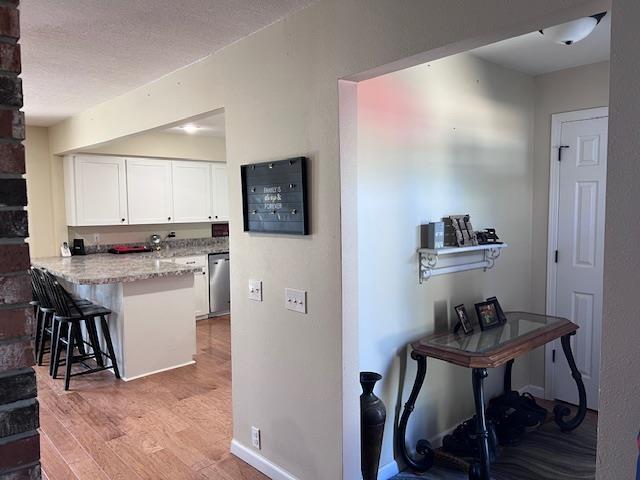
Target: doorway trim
[557, 119]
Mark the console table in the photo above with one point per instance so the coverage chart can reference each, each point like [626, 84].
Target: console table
[521, 333]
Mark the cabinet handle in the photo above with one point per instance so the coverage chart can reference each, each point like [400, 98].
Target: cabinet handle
[216, 216]
[189, 263]
[123, 219]
[209, 217]
[168, 218]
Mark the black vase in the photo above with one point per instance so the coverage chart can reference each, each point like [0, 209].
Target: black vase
[372, 417]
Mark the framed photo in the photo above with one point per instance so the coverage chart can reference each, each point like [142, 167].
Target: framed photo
[463, 319]
[488, 315]
[501, 315]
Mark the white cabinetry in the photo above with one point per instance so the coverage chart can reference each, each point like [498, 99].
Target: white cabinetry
[111, 190]
[200, 282]
[149, 193]
[220, 195]
[191, 191]
[99, 184]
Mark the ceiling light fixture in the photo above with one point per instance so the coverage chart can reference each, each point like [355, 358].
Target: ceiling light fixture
[573, 31]
[190, 128]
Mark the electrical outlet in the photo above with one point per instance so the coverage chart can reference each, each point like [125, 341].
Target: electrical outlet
[96, 239]
[255, 438]
[255, 290]
[295, 300]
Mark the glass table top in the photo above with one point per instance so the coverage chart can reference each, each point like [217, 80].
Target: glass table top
[518, 325]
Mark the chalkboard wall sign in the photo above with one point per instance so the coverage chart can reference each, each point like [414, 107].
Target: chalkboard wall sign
[274, 196]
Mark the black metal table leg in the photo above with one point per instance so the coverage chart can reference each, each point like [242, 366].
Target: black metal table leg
[561, 411]
[482, 471]
[423, 447]
[507, 376]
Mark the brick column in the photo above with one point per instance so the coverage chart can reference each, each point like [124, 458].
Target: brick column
[19, 438]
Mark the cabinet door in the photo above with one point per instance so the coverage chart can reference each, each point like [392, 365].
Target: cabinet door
[200, 282]
[101, 190]
[149, 196]
[220, 196]
[201, 287]
[191, 191]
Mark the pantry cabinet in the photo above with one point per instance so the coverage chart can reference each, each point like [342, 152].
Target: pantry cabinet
[112, 190]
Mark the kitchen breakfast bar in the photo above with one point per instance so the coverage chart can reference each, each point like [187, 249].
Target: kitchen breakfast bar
[152, 323]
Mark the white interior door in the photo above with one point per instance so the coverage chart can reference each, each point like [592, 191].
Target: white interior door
[581, 183]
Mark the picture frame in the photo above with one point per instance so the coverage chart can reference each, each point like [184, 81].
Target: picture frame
[463, 320]
[501, 315]
[488, 316]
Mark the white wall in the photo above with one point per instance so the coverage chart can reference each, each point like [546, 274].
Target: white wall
[619, 415]
[564, 91]
[451, 136]
[279, 91]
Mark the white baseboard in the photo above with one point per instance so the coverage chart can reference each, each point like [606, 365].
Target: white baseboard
[534, 390]
[259, 462]
[389, 470]
[135, 377]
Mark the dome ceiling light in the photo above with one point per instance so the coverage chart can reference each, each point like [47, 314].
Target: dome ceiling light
[573, 31]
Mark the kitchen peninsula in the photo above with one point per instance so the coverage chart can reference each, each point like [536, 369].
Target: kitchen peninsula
[152, 298]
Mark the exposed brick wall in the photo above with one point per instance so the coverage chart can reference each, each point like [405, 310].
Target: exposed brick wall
[19, 438]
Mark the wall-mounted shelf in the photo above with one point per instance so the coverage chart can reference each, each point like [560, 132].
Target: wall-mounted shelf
[440, 261]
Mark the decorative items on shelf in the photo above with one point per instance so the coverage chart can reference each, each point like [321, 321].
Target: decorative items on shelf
[488, 237]
[458, 231]
[372, 417]
[432, 235]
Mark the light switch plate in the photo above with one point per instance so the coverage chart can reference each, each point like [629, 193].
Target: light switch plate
[295, 300]
[255, 290]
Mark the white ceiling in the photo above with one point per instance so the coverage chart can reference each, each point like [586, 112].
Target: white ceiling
[212, 126]
[76, 54]
[534, 55]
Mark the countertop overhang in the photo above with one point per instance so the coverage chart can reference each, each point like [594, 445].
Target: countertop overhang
[104, 268]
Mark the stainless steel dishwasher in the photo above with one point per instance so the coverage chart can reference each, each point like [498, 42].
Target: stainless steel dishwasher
[219, 284]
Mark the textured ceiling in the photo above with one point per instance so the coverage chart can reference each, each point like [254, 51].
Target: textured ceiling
[76, 54]
[533, 54]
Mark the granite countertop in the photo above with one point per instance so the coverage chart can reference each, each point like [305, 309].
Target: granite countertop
[104, 268]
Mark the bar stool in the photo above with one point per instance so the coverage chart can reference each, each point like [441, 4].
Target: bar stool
[68, 319]
[44, 310]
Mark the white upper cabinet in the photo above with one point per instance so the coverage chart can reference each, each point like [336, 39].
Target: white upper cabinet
[149, 192]
[220, 195]
[100, 190]
[110, 190]
[191, 191]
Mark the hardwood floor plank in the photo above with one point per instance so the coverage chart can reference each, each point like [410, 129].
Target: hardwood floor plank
[54, 466]
[172, 425]
[78, 459]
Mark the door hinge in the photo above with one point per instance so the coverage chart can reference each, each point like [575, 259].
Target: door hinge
[556, 256]
[560, 151]
[553, 355]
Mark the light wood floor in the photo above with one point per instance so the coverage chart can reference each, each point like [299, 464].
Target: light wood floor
[172, 425]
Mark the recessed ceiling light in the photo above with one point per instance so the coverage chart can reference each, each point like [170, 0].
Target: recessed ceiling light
[573, 31]
[190, 128]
